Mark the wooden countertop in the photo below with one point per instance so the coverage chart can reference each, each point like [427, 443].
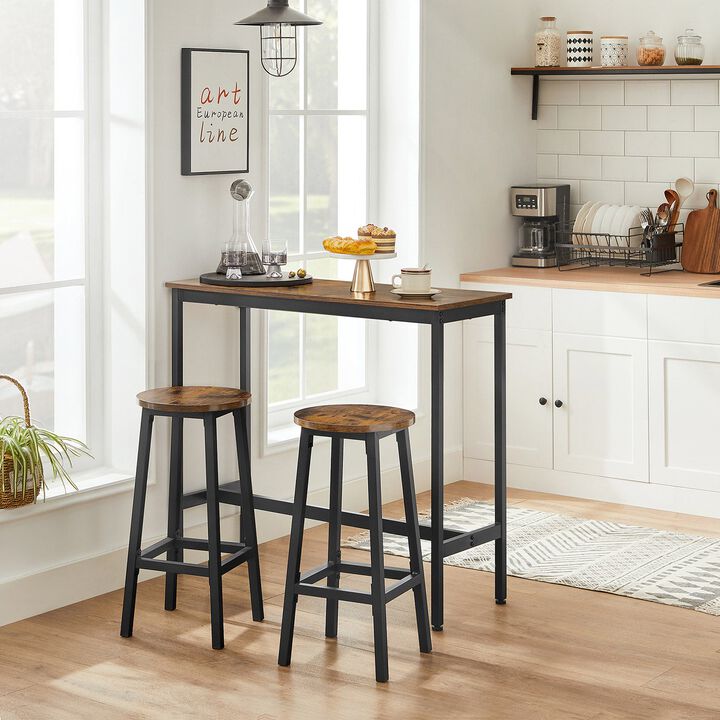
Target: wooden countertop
[606, 279]
[336, 291]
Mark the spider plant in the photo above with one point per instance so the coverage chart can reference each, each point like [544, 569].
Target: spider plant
[26, 448]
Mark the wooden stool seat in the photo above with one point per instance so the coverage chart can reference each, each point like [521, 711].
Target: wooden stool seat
[359, 419]
[189, 399]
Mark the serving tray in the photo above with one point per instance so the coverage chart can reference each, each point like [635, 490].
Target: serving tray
[254, 280]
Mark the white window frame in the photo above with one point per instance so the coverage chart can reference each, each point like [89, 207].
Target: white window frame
[364, 392]
[92, 116]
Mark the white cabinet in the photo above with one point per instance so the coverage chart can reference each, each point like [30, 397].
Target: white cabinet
[637, 381]
[529, 383]
[685, 414]
[601, 386]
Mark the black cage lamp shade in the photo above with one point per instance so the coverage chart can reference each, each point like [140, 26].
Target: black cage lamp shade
[278, 24]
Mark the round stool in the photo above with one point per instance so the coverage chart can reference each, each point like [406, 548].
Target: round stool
[207, 404]
[367, 423]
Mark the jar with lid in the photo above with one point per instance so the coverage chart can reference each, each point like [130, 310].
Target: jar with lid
[689, 50]
[651, 50]
[614, 50]
[547, 43]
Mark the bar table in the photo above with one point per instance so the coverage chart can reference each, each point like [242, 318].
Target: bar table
[333, 297]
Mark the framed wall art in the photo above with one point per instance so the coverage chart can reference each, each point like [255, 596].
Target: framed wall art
[215, 104]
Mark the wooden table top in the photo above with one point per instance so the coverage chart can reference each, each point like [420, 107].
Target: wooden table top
[337, 291]
[606, 279]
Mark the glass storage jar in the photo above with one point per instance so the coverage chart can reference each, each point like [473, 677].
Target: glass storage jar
[547, 43]
[689, 49]
[651, 50]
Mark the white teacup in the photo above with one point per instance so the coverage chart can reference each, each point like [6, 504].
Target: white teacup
[413, 280]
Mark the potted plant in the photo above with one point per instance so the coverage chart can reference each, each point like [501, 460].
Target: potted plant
[26, 450]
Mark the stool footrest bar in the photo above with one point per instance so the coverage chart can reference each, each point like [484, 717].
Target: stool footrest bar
[393, 573]
[172, 566]
[401, 586]
[236, 559]
[158, 548]
[331, 593]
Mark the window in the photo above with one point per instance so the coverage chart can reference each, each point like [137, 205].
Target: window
[318, 187]
[47, 250]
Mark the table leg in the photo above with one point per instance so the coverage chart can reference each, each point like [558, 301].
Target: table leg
[500, 459]
[436, 473]
[245, 384]
[177, 338]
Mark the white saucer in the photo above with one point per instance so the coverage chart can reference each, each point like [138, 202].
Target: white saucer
[408, 293]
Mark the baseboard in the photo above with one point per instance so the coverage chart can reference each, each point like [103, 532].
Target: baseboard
[593, 487]
[28, 595]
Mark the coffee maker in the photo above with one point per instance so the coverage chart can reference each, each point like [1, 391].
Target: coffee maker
[543, 208]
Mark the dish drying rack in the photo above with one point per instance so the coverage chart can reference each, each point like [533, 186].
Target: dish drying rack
[581, 249]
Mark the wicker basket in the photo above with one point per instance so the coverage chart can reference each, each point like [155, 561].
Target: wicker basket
[9, 497]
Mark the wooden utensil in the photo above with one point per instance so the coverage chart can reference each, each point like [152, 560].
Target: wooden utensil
[685, 187]
[673, 200]
[701, 246]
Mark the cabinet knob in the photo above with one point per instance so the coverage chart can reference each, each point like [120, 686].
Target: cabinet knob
[558, 403]
[543, 401]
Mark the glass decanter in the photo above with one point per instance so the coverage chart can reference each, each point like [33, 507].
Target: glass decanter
[241, 248]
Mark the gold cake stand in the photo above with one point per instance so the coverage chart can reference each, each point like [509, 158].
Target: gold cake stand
[362, 281]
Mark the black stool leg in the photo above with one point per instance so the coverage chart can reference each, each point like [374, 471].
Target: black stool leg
[295, 551]
[372, 448]
[136, 524]
[213, 517]
[248, 532]
[413, 531]
[175, 494]
[334, 528]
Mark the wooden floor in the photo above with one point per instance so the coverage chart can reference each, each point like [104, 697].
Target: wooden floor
[552, 652]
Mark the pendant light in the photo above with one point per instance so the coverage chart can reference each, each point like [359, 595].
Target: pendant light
[278, 40]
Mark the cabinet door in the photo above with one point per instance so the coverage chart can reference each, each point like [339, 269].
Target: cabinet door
[685, 415]
[601, 427]
[529, 378]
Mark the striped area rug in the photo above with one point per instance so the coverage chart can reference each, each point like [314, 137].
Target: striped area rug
[656, 565]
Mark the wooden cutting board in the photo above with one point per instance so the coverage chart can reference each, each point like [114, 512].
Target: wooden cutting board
[701, 242]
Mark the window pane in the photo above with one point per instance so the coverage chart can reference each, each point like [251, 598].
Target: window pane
[326, 267]
[283, 357]
[43, 347]
[284, 210]
[41, 55]
[286, 92]
[337, 55]
[321, 354]
[335, 183]
[41, 200]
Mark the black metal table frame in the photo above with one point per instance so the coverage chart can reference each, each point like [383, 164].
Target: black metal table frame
[444, 542]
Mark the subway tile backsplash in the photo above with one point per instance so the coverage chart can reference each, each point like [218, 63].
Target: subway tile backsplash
[626, 141]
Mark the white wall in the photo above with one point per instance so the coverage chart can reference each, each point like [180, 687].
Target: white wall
[625, 141]
[477, 140]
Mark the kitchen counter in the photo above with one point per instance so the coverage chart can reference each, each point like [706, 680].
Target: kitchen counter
[605, 279]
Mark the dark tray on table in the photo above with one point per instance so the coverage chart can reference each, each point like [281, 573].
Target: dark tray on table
[254, 280]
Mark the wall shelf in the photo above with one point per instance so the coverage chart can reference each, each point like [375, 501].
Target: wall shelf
[654, 70]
